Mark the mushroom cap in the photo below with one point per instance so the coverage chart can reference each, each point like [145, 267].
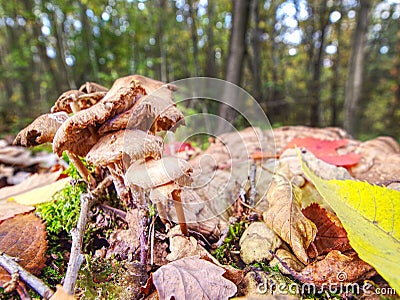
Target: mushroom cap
[151, 85]
[74, 135]
[92, 87]
[136, 144]
[41, 130]
[155, 112]
[155, 173]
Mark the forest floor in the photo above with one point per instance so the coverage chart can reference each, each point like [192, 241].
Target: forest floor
[312, 214]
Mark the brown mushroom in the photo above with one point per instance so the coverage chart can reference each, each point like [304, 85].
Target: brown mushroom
[75, 134]
[115, 149]
[155, 112]
[74, 101]
[164, 178]
[92, 87]
[41, 130]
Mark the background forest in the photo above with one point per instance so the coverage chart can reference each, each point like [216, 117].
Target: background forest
[318, 63]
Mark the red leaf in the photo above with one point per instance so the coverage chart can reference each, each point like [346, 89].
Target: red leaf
[326, 150]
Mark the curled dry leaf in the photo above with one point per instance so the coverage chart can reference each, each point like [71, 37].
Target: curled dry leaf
[335, 269]
[284, 216]
[287, 257]
[192, 278]
[74, 135]
[24, 237]
[41, 130]
[330, 235]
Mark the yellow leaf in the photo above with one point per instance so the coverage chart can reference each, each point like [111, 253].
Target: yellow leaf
[371, 216]
[41, 194]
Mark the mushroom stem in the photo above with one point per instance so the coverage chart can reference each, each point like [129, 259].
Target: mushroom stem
[176, 196]
[161, 212]
[80, 167]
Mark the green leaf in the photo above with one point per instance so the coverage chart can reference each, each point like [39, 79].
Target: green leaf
[371, 216]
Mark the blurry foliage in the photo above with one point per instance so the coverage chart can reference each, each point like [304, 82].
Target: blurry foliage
[48, 47]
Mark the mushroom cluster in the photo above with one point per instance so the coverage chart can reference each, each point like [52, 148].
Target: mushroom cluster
[116, 130]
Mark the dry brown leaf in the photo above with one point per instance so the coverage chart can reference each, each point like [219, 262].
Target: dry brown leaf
[182, 246]
[287, 257]
[41, 130]
[284, 216]
[192, 278]
[335, 269]
[32, 182]
[24, 237]
[61, 294]
[331, 234]
[124, 242]
[9, 209]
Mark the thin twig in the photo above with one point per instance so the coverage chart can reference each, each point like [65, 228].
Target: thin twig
[76, 256]
[250, 207]
[253, 190]
[12, 267]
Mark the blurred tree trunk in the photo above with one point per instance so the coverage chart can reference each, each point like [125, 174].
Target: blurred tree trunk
[193, 35]
[88, 41]
[321, 14]
[162, 66]
[210, 67]
[255, 58]
[240, 14]
[355, 73]
[336, 72]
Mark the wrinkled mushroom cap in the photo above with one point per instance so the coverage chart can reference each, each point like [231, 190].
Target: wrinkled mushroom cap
[136, 144]
[92, 87]
[81, 99]
[41, 130]
[156, 173]
[155, 112]
[74, 135]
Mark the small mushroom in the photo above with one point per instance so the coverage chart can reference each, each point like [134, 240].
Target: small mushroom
[165, 178]
[41, 130]
[115, 149]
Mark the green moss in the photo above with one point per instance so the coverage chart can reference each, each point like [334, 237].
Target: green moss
[224, 252]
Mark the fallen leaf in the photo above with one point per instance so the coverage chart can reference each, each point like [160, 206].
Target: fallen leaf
[335, 269]
[330, 235]
[41, 194]
[284, 216]
[9, 209]
[256, 243]
[61, 294]
[287, 257]
[370, 216]
[192, 278]
[24, 237]
[326, 150]
[182, 246]
[32, 182]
